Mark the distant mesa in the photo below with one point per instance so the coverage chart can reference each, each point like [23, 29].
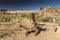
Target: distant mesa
[3, 10]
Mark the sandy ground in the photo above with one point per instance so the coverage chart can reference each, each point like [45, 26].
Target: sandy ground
[20, 35]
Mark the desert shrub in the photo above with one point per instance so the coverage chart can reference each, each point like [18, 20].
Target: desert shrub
[5, 17]
[57, 20]
[41, 8]
[38, 17]
[47, 19]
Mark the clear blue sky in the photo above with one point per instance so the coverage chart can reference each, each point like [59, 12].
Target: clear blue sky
[27, 4]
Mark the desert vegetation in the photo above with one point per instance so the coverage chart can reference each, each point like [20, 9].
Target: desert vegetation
[10, 23]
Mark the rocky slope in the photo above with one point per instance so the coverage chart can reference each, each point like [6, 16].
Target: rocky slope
[15, 24]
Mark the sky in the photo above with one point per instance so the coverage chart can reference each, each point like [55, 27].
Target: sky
[27, 4]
